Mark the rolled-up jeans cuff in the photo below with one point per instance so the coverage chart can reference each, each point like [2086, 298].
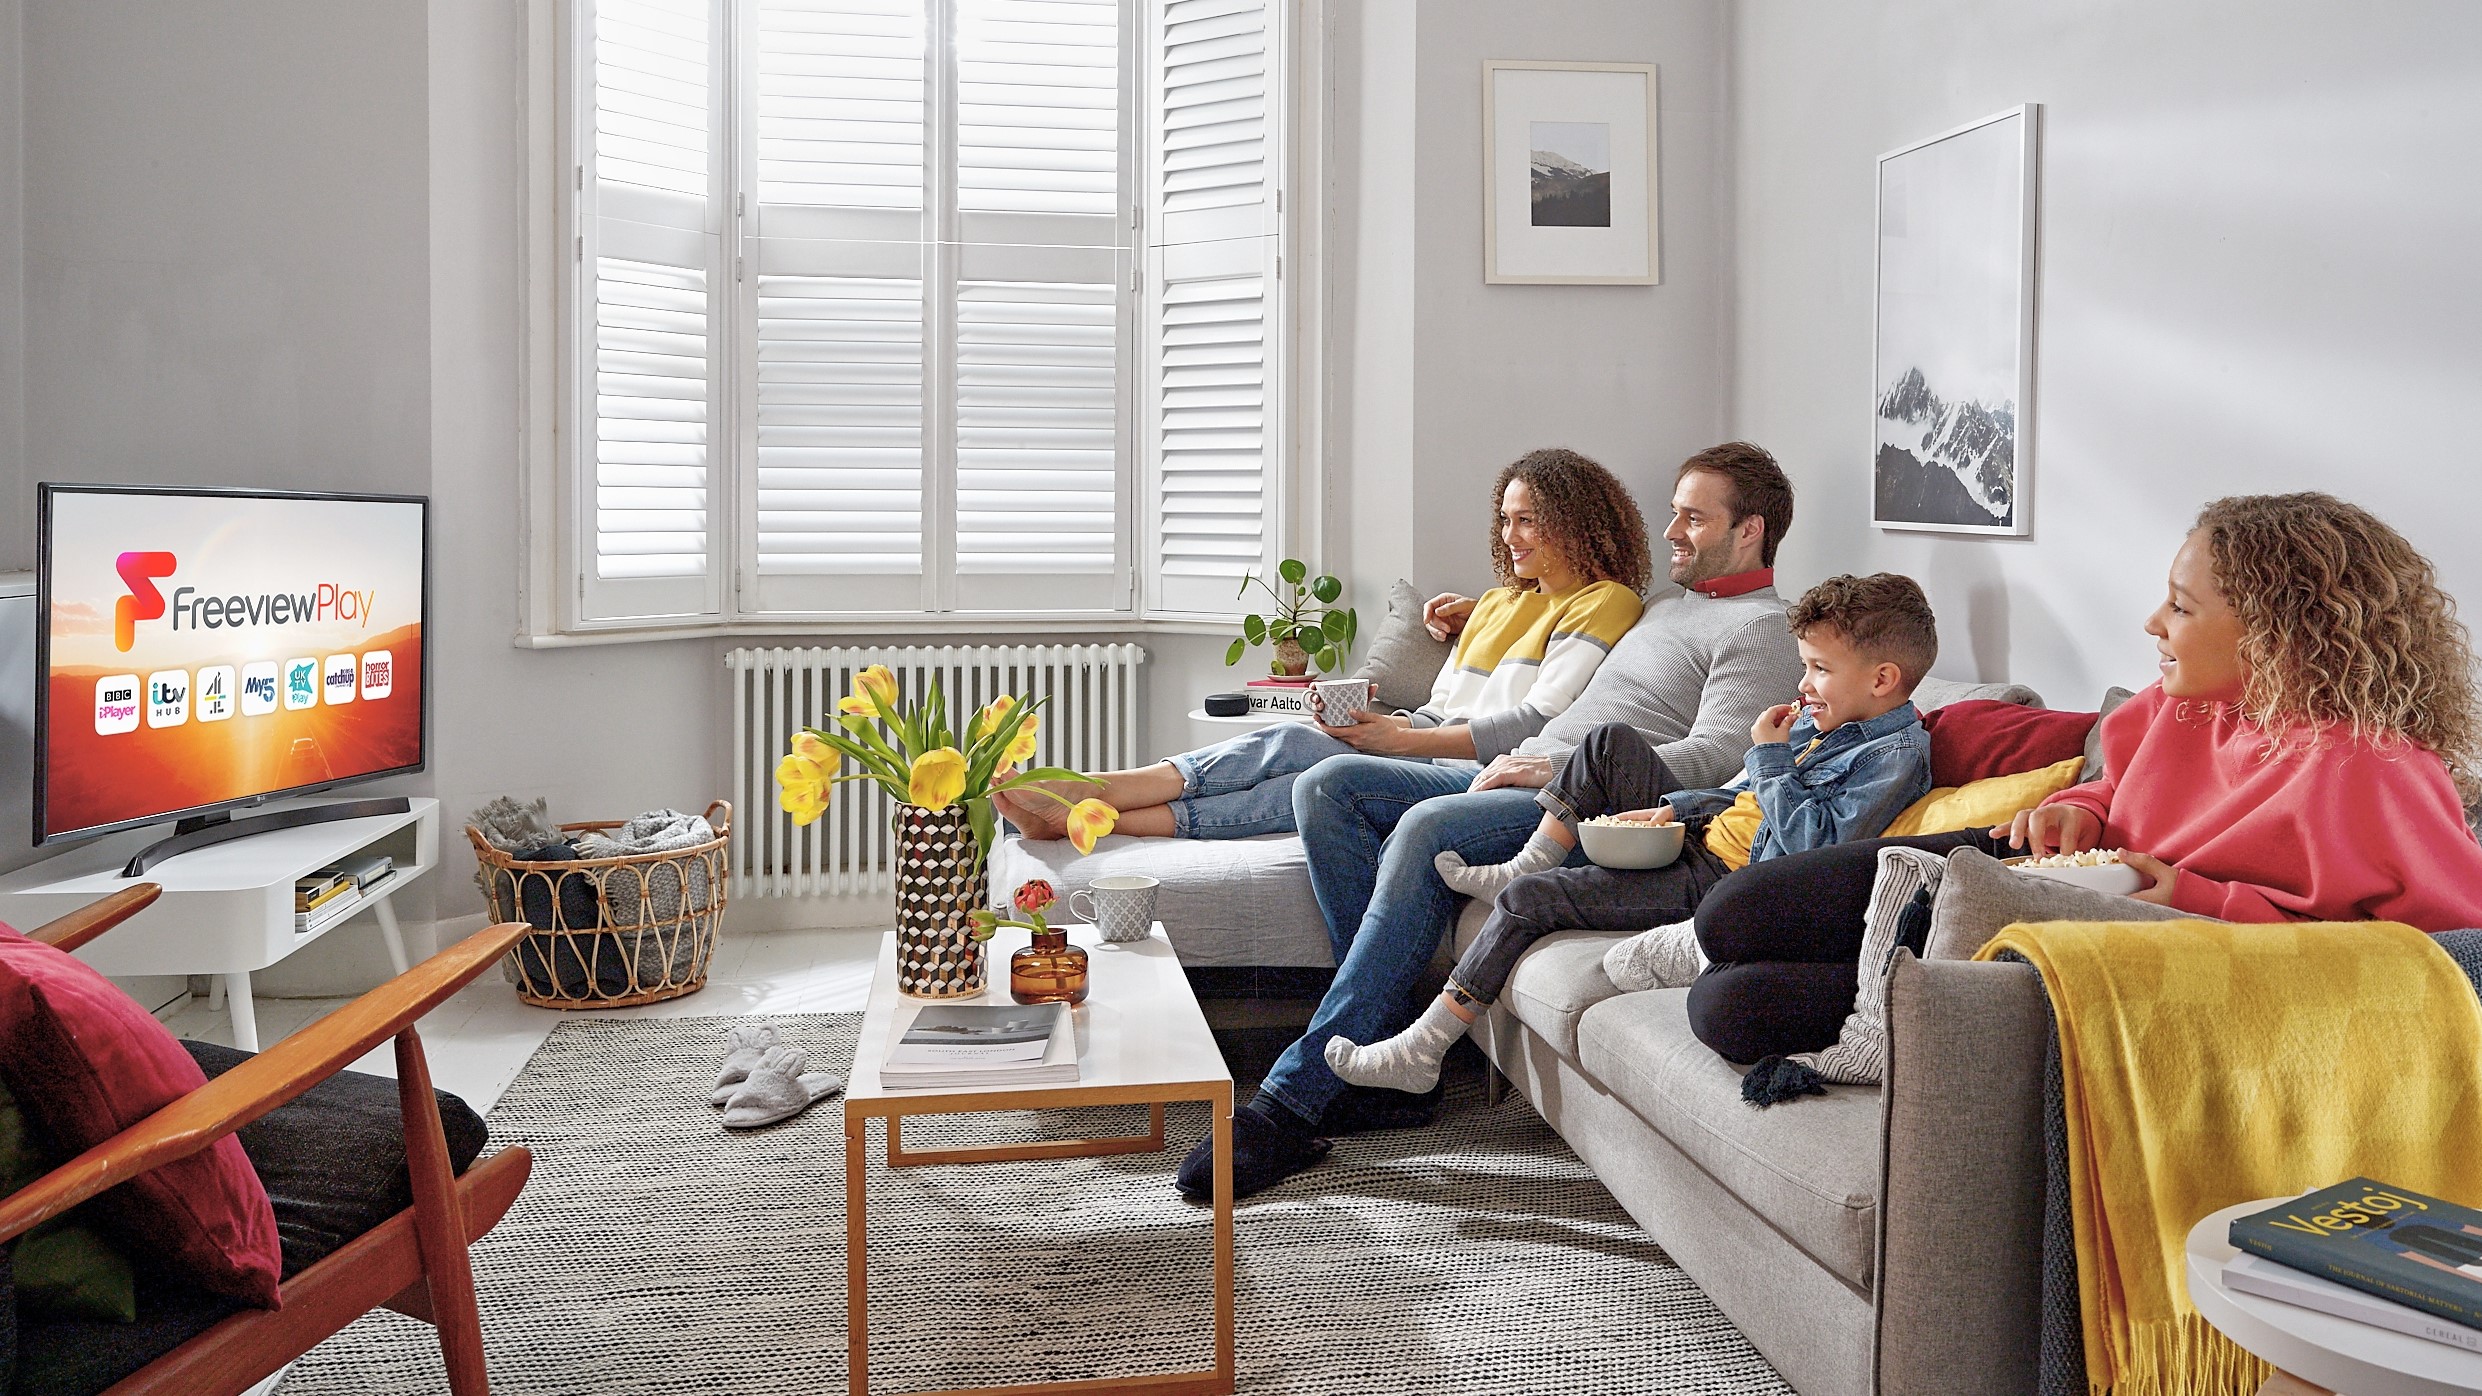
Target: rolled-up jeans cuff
[1556, 807]
[1187, 764]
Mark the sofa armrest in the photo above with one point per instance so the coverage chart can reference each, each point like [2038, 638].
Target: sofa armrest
[1959, 1304]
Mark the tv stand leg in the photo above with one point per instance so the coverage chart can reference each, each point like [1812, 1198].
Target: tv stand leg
[215, 993]
[385, 908]
[245, 1016]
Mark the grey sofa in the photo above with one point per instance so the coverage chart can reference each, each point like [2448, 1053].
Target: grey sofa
[1875, 1239]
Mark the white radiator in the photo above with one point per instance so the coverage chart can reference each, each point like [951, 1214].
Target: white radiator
[1091, 724]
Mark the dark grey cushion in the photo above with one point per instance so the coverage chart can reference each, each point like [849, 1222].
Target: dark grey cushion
[2093, 769]
[333, 1162]
[1981, 896]
[1403, 661]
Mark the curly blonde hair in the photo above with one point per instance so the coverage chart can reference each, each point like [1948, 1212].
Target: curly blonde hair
[1585, 513]
[2344, 621]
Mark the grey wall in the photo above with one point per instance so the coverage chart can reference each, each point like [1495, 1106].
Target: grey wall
[12, 288]
[1438, 379]
[2257, 274]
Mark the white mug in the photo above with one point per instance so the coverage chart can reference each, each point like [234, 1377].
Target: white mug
[1334, 701]
[1122, 906]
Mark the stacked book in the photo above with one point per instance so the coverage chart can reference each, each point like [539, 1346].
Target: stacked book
[1279, 696]
[335, 891]
[947, 1046]
[2362, 1250]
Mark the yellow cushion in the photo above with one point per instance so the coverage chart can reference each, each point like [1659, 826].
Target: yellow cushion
[1985, 802]
[1731, 834]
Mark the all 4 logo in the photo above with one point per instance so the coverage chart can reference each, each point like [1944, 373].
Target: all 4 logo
[215, 692]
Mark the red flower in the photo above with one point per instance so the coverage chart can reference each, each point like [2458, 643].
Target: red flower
[1034, 896]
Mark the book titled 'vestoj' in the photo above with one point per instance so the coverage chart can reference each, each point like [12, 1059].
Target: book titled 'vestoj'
[954, 1045]
[2419, 1251]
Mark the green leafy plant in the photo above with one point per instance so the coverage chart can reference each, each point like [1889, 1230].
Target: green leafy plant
[1306, 625]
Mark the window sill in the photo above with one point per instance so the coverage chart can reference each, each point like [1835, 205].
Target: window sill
[961, 627]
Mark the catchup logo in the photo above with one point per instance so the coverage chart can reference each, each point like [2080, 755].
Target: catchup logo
[139, 572]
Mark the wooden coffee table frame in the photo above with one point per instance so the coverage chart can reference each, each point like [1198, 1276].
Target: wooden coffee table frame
[1218, 1097]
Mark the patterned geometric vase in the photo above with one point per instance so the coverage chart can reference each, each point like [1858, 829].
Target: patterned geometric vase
[937, 883]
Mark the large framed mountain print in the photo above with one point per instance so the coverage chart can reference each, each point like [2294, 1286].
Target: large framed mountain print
[1953, 362]
[1569, 177]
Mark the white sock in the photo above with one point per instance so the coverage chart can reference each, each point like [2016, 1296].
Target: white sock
[1541, 853]
[1409, 1061]
[1666, 957]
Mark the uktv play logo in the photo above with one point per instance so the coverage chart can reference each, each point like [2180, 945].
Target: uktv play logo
[139, 572]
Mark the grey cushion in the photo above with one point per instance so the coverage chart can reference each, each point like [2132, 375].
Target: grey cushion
[1938, 693]
[1982, 896]
[1812, 1172]
[1403, 661]
[2093, 769]
[1555, 983]
[1241, 903]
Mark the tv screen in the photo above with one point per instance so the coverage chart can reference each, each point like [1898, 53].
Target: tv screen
[207, 648]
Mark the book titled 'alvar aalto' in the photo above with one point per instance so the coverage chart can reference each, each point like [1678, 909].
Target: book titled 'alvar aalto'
[2401, 1245]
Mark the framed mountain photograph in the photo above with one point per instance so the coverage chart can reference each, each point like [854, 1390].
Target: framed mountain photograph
[1568, 161]
[1953, 366]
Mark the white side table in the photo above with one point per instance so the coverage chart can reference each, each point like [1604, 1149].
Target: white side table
[1247, 719]
[2337, 1354]
[227, 909]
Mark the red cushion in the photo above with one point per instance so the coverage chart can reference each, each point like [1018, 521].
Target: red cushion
[87, 1062]
[1980, 738]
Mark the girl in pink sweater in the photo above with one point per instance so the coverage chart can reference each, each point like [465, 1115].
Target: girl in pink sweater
[2306, 756]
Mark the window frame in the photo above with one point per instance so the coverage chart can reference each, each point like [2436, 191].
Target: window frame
[555, 494]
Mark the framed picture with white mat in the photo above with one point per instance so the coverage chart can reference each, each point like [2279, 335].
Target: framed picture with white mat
[1569, 174]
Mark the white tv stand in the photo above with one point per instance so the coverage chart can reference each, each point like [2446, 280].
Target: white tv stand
[227, 909]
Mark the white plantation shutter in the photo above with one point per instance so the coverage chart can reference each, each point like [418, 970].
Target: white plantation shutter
[1038, 106]
[1038, 434]
[839, 426]
[841, 116]
[647, 356]
[1212, 409]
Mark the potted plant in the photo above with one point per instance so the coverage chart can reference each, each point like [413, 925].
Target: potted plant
[942, 783]
[1306, 626]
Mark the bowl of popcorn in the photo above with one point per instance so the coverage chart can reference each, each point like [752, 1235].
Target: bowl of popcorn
[1613, 842]
[2099, 869]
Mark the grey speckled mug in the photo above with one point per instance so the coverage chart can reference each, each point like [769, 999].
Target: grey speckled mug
[1121, 906]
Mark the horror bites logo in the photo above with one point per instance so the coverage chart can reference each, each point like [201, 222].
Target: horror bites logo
[141, 571]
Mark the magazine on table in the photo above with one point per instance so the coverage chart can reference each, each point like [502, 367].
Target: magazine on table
[2404, 1247]
[970, 1044]
[2254, 1274]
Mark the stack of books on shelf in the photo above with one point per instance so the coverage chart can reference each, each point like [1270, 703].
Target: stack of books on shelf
[1278, 695]
[2375, 1254]
[953, 1046]
[333, 892]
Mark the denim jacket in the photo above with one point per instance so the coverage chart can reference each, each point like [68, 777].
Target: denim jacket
[1853, 786]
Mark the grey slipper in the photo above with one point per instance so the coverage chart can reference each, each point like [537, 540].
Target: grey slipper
[743, 1047]
[778, 1089]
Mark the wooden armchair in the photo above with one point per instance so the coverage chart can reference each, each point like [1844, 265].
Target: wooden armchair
[414, 1262]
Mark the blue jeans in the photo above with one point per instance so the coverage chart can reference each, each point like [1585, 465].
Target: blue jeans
[1245, 786]
[1371, 826]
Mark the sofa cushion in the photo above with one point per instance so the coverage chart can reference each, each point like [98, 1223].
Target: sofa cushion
[1975, 739]
[1813, 1172]
[1930, 695]
[87, 1062]
[1556, 981]
[1403, 661]
[2093, 770]
[1985, 803]
[1980, 896]
[1224, 902]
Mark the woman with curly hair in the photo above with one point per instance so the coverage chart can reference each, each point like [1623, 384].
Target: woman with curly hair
[1569, 548]
[2306, 755]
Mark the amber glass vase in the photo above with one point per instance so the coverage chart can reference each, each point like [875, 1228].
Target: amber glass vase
[1049, 971]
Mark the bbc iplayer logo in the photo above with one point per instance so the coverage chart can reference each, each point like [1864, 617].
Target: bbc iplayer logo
[116, 704]
[169, 698]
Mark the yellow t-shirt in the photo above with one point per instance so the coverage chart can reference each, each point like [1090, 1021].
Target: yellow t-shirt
[1523, 648]
[1732, 834]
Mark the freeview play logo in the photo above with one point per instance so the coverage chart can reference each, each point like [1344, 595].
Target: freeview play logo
[141, 571]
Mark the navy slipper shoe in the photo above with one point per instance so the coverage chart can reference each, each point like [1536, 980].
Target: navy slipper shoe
[1269, 1145]
[1361, 1108]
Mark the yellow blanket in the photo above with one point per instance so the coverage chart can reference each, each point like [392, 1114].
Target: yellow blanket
[2205, 1064]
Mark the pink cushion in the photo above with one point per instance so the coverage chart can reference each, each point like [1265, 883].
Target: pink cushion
[1980, 738]
[86, 1062]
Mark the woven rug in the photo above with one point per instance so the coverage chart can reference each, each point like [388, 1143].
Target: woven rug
[655, 1252]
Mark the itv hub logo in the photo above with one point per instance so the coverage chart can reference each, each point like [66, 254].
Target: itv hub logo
[173, 697]
[188, 608]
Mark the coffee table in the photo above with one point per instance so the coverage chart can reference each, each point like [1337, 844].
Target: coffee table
[1141, 1040]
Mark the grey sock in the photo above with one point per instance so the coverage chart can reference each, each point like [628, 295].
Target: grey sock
[1409, 1061]
[1666, 957]
[1541, 853]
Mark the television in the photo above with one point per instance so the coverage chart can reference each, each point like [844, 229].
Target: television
[202, 650]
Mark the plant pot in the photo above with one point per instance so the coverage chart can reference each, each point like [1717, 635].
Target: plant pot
[1291, 660]
[939, 882]
[1048, 971]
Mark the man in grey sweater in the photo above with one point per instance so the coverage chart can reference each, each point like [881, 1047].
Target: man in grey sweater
[1698, 666]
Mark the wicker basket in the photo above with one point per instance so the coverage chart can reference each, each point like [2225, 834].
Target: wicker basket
[612, 932]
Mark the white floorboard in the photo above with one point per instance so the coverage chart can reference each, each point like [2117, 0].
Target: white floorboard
[478, 1041]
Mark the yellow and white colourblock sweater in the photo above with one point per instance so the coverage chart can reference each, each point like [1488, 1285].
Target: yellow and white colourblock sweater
[1523, 649]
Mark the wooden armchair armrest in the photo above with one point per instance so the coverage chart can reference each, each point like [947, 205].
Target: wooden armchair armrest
[259, 1085]
[93, 919]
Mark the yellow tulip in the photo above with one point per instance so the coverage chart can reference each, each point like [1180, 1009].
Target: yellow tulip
[1090, 820]
[938, 778]
[875, 684]
[801, 788]
[856, 706]
[1021, 749]
[819, 753]
[990, 718]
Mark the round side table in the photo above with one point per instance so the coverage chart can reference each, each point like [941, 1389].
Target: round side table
[2318, 1351]
[1247, 719]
